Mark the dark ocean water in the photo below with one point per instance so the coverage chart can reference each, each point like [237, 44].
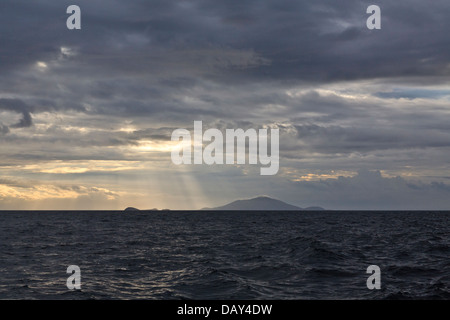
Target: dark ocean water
[225, 255]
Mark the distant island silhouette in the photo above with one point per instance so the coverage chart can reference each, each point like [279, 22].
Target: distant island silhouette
[262, 203]
[131, 209]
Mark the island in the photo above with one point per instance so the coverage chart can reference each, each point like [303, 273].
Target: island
[131, 209]
[262, 203]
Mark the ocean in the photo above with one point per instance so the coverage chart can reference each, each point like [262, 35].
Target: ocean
[224, 255]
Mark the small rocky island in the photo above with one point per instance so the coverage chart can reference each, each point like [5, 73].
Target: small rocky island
[133, 209]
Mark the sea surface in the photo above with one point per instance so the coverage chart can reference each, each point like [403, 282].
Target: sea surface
[224, 255]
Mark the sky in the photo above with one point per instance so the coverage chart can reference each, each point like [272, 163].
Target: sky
[86, 116]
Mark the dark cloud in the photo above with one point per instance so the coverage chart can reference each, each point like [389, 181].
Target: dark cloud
[19, 106]
[25, 122]
[303, 40]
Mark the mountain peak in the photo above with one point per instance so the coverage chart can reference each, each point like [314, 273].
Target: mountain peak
[259, 203]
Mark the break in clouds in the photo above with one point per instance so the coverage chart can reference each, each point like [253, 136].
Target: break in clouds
[86, 115]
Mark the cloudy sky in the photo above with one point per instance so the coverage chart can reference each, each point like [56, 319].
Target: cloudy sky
[86, 116]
